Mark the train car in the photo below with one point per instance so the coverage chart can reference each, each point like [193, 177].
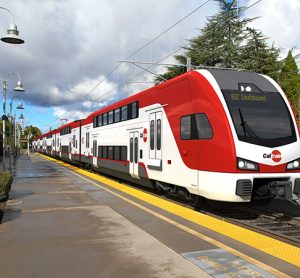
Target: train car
[48, 142]
[76, 142]
[55, 143]
[220, 134]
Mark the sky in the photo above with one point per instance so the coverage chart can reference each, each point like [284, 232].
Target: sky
[69, 63]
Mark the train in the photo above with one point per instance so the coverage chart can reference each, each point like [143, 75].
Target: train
[223, 135]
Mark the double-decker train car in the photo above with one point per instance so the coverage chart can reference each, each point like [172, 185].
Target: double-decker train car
[219, 134]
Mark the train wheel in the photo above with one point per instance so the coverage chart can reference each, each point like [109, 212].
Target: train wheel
[197, 201]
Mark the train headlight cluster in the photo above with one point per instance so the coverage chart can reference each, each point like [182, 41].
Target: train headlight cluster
[244, 164]
[293, 165]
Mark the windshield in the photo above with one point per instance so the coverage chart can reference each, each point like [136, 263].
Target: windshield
[260, 118]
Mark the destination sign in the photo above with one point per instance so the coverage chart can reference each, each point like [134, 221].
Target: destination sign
[248, 97]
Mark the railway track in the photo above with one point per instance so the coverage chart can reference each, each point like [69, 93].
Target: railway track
[270, 221]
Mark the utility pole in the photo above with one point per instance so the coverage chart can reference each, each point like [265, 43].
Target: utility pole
[188, 63]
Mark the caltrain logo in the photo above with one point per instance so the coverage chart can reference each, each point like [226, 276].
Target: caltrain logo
[145, 135]
[275, 155]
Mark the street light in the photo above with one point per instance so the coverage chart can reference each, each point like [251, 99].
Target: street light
[12, 31]
[18, 88]
[18, 127]
[20, 106]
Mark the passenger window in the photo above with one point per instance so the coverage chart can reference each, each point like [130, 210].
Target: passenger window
[105, 119]
[136, 147]
[110, 152]
[195, 127]
[87, 140]
[111, 117]
[95, 122]
[152, 135]
[131, 149]
[185, 128]
[117, 115]
[100, 152]
[95, 148]
[124, 153]
[135, 110]
[158, 139]
[203, 127]
[124, 113]
[117, 153]
[100, 120]
[104, 152]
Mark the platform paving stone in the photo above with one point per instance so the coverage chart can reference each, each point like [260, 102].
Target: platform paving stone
[53, 228]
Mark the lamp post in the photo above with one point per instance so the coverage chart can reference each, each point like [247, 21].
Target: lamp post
[12, 35]
[18, 88]
[21, 117]
[17, 135]
[20, 106]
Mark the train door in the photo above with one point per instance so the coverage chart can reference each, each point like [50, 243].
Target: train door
[134, 154]
[95, 149]
[155, 155]
[70, 150]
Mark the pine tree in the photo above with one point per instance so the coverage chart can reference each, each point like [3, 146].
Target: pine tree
[227, 42]
[219, 42]
[289, 80]
[257, 56]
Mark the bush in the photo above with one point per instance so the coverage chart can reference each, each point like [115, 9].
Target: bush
[5, 185]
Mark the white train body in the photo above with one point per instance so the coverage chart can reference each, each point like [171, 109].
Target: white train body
[223, 135]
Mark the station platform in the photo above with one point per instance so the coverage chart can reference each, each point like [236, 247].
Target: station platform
[62, 221]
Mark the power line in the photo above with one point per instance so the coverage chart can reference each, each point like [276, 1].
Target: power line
[172, 26]
[141, 48]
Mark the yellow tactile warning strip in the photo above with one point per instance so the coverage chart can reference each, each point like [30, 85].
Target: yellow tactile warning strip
[271, 246]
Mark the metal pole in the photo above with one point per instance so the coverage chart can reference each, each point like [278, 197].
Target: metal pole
[15, 132]
[3, 123]
[10, 132]
[188, 64]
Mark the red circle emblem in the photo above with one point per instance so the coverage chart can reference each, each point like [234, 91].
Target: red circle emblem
[145, 135]
[276, 156]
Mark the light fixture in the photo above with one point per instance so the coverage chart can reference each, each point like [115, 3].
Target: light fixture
[19, 87]
[21, 116]
[12, 35]
[20, 105]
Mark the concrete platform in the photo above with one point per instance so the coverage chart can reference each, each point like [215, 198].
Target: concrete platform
[53, 228]
[60, 224]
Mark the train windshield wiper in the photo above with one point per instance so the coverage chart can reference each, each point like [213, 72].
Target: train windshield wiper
[246, 128]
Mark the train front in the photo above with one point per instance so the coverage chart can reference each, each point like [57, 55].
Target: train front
[265, 135]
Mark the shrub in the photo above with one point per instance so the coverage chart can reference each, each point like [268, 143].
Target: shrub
[5, 185]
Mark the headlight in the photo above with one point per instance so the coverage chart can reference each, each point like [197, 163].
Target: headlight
[244, 164]
[293, 165]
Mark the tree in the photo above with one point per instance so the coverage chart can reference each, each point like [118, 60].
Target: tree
[227, 42]
[289, 80]
[257, 56]
[33, 130]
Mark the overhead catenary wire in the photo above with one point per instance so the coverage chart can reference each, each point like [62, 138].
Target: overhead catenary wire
[140, 49]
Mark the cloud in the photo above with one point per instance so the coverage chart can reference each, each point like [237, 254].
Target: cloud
[69, 41]
[279, 21]
[71, 45]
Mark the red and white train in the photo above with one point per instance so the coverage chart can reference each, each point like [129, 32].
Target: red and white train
[220, 134]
